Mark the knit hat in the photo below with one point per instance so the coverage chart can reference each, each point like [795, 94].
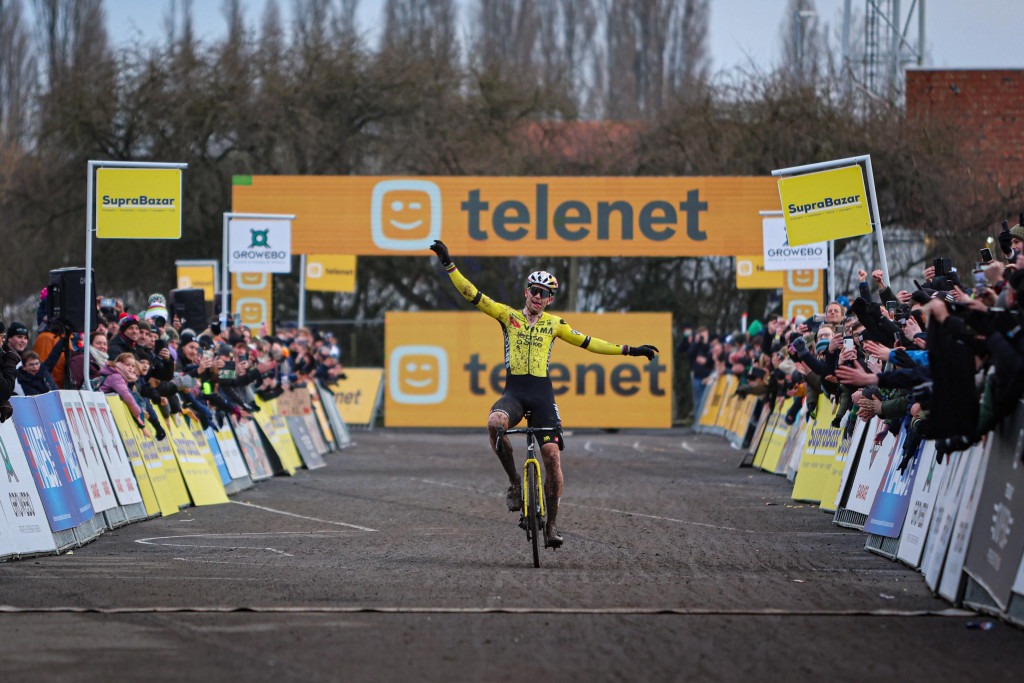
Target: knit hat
[157, 307]
[127, 321]
[15, 329]
[754, 328]
[1018, 231]
[144, 326]
[787, 366]
[821, 345]
[186, 337]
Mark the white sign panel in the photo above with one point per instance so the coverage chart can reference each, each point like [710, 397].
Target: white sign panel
[101, 492]
[778, 255]
[104, 432]
[26, 525]
[259, 245]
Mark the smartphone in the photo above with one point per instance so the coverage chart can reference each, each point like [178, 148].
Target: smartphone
[208, 354]
[238, 319]
[891, 306]
[979, 282]
[986, 256]
[840, 330]
[107, 302]
[848, 343]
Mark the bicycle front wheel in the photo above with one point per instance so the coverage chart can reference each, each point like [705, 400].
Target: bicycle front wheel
[533, 508]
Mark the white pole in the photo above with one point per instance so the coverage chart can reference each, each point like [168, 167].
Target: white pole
[877, 220]
[302, 291]
[831, 271]
[224, 275]
[89, 305]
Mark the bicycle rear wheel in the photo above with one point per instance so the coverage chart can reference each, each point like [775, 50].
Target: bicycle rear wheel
[533, 509]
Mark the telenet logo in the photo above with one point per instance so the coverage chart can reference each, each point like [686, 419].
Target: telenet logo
[405, 214]
[418, 374]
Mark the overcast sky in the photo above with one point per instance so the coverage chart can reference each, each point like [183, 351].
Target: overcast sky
[958, 33]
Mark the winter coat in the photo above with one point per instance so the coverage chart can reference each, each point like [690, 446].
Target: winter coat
[114, 383]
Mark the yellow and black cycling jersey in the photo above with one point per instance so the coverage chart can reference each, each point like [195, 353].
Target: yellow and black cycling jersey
[528, 347]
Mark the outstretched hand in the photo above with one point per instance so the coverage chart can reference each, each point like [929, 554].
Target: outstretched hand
[439, 248]
[646, 350]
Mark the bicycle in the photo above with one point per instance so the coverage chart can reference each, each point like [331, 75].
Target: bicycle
[533, 517]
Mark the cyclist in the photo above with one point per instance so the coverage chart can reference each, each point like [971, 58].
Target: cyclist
[530, 334]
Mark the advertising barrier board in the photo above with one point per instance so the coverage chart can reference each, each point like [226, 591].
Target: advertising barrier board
[451, 377]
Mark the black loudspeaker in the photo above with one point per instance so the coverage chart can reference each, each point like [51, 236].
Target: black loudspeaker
[190, 306]
[65, 299]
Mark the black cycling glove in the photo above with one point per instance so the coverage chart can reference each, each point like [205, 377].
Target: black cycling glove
[645, 350]
[441, 250]
[1004, 239]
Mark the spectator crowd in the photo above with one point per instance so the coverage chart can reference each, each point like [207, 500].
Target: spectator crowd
[155, 364]
[944, 362]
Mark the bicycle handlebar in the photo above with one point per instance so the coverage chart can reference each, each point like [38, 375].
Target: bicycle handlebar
[531, 430]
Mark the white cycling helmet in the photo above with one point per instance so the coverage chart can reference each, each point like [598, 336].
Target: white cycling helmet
[544, 279]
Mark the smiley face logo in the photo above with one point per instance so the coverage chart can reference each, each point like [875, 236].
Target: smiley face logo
[802, 280]
[252, 310]
[405, 215]
[418, 374]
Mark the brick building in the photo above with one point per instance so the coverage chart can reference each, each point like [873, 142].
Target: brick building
[986, 105]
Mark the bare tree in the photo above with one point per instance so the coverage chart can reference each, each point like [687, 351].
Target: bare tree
[803, 42]
[17, 76]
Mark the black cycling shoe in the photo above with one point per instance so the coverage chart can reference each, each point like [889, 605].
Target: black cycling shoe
[514, 497]
[552, 539]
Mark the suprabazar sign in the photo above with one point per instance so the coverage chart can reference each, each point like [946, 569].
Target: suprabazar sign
[824, 206]
[507, 216]
[437, 378]
[138, 203]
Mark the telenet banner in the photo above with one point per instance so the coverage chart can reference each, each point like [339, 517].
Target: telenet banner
[751, 274]
[331, 273]
[200, 277]
[252, 298]
[823, 206]
[509, 216]
[138, 203]
[446, 369]
[803, 293]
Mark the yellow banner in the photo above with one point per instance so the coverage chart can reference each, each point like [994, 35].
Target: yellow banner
[252, 299]
[131, 447]
[138, 203]
[750, 274]
[331, 273]
[276, 430]
[357, 395]
[803, 292]
[779, 435]
[506, 216]
[713, 403]
[200, 277]
[135, 442]
[827, 205]
[203, 481]
[447, 369]
[819, 454]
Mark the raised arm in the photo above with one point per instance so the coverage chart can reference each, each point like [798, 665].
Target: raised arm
[466, 288]
[565, 332]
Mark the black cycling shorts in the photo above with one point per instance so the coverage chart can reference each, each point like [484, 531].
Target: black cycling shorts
[526, 393]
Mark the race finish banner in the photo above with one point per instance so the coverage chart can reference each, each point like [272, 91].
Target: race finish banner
[138, 203]
[507, 216]
[751, 274]
[823, 206]
[453, 376]
[331, 273]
